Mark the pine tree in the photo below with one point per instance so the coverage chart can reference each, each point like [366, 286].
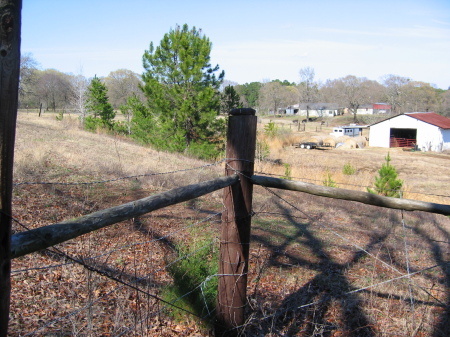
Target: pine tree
[386, 183]
[98, 105]
[142, 123]
[182, 91]
[230, 99]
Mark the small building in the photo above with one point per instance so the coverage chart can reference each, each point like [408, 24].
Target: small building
[314, 109]
[373, 109]
[351, 130]
[428, 131]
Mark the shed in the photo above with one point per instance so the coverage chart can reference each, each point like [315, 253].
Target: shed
[351, 130]
[428, 131]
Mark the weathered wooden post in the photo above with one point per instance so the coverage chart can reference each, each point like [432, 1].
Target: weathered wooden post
[10, 19]
[236, 222]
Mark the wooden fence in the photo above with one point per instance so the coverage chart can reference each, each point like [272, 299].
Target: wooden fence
[236, 219]
[237, 184]
[10, 25]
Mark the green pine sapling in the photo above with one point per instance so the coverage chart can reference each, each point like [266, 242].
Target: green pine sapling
[386, 183]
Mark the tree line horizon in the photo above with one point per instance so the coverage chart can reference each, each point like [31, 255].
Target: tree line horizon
[174, 104]
[248, 91]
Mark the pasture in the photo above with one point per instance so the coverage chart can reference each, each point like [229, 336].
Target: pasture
[319, 267]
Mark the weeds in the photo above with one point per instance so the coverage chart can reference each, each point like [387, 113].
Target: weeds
[287, 172]
[329, 181]
[348, 169]
[194, 287]
[262, 150]
[271, 129]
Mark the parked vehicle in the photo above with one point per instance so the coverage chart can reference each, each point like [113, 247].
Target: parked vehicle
[312, 145]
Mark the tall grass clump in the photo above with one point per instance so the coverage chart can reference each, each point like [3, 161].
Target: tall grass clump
[328, 181]
[287, 172]
[271, 129]
[262, 149]
[194, 287]
[348, 169]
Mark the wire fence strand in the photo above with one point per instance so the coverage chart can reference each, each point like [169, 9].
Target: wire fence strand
[89, 262]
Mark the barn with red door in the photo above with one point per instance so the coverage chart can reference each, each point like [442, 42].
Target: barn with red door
[428, 131]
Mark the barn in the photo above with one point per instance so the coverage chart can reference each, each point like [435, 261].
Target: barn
[428, 131]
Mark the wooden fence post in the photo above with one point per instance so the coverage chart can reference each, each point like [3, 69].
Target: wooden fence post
[10, 24]
[236, 222]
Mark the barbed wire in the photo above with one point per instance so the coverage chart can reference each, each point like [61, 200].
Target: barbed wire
[120, 178]
[351, 243]
[162, 238]
[84, 261]
[278, 312]
[338, 235]
[131, 285]
[407, 261]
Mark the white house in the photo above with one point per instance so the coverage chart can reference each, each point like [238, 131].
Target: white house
[373, 109]
[315, 109]
[426, 130]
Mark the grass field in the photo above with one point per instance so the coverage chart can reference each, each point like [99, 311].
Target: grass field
[319, 267]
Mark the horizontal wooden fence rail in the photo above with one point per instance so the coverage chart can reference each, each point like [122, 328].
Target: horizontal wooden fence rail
[36, 239]
[359, 196]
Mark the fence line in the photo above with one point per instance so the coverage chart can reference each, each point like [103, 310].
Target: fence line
[347, 184]
[196, 168]
[380, 201]
[43, 237]
[121, 282]
[164, 237]
[363, 197]
[120, 178]
[401, 276]
[239, 271]
[282, 180]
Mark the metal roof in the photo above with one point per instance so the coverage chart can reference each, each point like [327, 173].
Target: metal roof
[427, 117]
[431, 118]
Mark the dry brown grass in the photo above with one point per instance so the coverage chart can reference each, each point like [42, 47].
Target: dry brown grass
[300, 270]
[426, 175]
[45, 143]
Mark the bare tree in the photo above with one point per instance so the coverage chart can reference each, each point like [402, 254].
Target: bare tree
[121, 84]
[28, 78]
[307, 89]
[421, 96]
[273, 96]
[396, 91]
[54, 88]
[445, 103]
[352, 92]
[79, 96]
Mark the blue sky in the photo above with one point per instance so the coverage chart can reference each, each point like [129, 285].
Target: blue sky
[252, 40]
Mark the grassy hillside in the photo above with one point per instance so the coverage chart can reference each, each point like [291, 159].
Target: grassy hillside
[319, 267]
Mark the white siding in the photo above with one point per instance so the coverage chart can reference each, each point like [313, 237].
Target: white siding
[429, 137]
[318, 113]
[364, 111]
[446, 139]
[312, 113]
